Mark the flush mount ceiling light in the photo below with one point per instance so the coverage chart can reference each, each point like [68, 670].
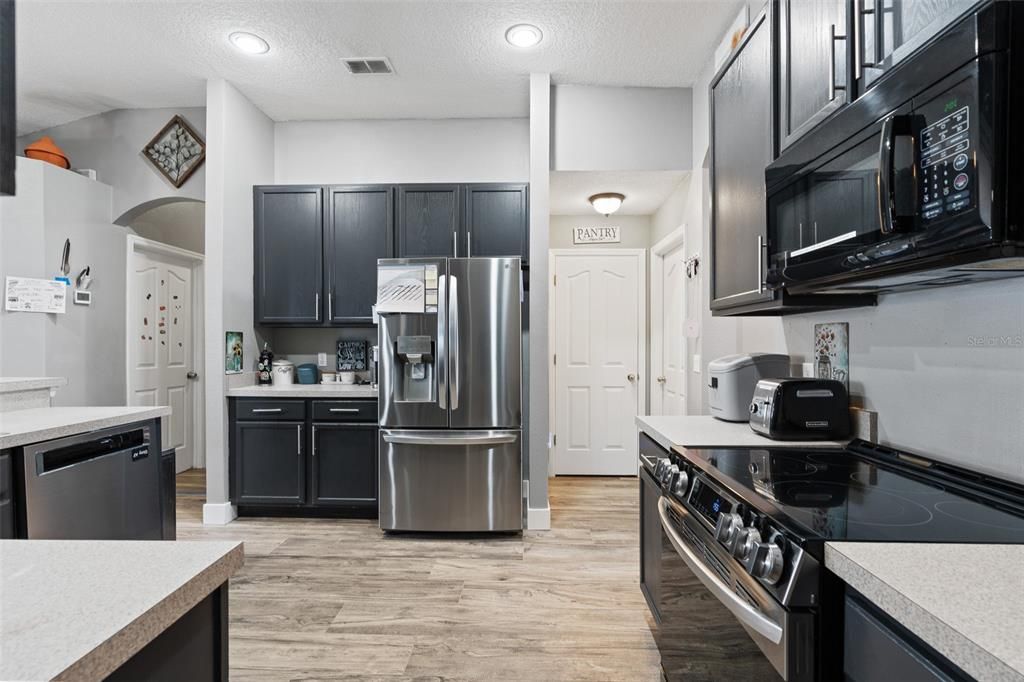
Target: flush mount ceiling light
[249, 43]
[607, 203]
[523, 35]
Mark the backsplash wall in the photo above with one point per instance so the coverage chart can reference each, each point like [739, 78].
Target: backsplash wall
[302, 345]
[944, 369]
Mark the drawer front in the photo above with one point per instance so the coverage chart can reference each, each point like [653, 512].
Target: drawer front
[345, 410]
[294, 409]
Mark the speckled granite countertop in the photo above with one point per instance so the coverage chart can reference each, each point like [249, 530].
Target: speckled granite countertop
[78, 610]
[326, 391]
[933, 590]
[13, 384]
[21, 427]
[706, 431]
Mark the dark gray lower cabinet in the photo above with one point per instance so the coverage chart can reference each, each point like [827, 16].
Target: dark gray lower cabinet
[344, 465]
[168, 488]
[6, 496]
[270, 467]
[302, 456]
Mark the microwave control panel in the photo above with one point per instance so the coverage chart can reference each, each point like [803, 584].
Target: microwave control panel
[947, 166]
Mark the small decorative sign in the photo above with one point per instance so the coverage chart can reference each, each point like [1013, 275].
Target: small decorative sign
[595, 235]
[832, 351]
[233, 352]
[177, 151]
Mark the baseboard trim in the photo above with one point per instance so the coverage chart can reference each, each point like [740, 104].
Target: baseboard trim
[538, 518]
[219, 514]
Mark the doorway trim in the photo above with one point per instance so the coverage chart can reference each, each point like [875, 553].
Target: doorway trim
[641, 261]
[665, 246]
[137, 244]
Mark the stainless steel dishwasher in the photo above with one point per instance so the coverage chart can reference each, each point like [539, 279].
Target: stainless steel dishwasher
[101, 485]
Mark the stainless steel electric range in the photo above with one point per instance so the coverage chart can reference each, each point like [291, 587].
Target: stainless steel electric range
[732, 546]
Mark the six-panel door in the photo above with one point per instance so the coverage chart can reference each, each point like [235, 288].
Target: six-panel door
[288, 244]
[359, 231]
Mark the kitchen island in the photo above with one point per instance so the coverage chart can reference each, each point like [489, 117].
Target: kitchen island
[38, 424]
[114, 609]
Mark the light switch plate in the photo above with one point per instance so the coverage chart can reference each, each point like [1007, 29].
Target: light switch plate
[321, 359]
[696, 364]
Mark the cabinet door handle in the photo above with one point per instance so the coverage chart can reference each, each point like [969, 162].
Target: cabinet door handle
[469, 237]
[832, 87]
[314, 440]
[761, 246]
[346, 410]
[268, 410]
[455, 244]
[317, 306]
[330, 306]
[298, 437]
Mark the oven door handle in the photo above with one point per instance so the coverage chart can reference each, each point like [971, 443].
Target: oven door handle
[744, 612]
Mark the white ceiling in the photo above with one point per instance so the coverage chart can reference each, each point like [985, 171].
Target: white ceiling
[76, 58]
[645, 191]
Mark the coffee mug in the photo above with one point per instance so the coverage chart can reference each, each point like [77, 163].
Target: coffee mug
[347, 377]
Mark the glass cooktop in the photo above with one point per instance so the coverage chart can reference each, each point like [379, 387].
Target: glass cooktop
[843, 495]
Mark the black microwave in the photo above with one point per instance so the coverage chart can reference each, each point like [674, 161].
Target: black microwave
[918, 183]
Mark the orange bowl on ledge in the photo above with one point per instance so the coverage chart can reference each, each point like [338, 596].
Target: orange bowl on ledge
[45, 149]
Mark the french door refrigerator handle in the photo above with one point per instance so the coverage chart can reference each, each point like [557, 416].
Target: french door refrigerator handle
[417, 439]
[744, 612]
[453, 338]
[442, 344]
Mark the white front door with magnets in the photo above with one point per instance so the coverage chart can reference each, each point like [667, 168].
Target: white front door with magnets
[668, 352]
[160, 345]
[599, 324]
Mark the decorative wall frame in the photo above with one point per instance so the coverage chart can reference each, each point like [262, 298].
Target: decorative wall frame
[177, 151]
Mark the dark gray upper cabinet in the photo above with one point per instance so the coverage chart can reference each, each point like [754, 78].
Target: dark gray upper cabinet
[494, 220]
[813, 78]
[905, 26]
[288, 249]
[8, 122]
[741, 147]
[427, 221]
[359, 231]
[269, 463]
[344, 465]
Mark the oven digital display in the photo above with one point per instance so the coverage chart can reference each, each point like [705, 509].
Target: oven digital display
[708, 502]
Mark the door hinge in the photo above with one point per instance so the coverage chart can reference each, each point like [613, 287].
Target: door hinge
[554, 359]
[554, 439]
[554, 281]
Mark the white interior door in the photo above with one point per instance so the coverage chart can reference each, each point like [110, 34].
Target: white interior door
[160, 346]
[599, 322]
[670, 372]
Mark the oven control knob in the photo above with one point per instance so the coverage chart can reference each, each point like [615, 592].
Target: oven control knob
[748, 544]
[768, 566]
[659, 468]
[669, 475]
[728, 528]
[680, 485]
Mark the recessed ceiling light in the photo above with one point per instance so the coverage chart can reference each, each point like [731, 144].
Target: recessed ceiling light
[523, 35]
[249, 43]
[607, 203]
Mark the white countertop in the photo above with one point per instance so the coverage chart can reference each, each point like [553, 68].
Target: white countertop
[326, 391]
[21, 427]
[77, 609]
[15, 384]
[704, 431]
[965, 601]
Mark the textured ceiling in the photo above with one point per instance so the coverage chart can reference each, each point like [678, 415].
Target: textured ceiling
[645, 191]
[81, 57]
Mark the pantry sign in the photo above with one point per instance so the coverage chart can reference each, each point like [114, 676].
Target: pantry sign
[595, 235]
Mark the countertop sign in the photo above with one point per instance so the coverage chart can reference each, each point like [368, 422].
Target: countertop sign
[595, 235]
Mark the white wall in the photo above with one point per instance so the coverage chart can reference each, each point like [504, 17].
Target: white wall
[635, 230]
[240, 154]
[87, 343]
[615, 128]
[444, 150]
[180, 224]
[112, 143]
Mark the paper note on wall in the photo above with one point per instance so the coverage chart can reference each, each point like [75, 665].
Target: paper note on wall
[29, 295]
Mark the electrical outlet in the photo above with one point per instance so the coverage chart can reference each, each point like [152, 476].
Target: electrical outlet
[321, 359]
[807, 369]
[696, 364]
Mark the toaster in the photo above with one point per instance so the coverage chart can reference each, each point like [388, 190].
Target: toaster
[800, 409]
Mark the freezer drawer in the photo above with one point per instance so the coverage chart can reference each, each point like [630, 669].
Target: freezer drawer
[451, 481]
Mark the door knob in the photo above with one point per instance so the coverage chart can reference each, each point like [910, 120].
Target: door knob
[631, 377]
[661, 380]
[192, 375]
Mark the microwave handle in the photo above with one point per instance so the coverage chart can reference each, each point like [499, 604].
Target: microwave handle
[885, 155]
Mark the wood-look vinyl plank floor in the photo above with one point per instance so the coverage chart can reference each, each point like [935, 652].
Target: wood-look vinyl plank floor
[336, 599]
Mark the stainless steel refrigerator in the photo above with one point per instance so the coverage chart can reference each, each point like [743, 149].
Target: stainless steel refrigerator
[450, 404]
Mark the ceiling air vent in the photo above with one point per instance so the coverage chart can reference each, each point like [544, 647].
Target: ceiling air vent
[368, 66]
